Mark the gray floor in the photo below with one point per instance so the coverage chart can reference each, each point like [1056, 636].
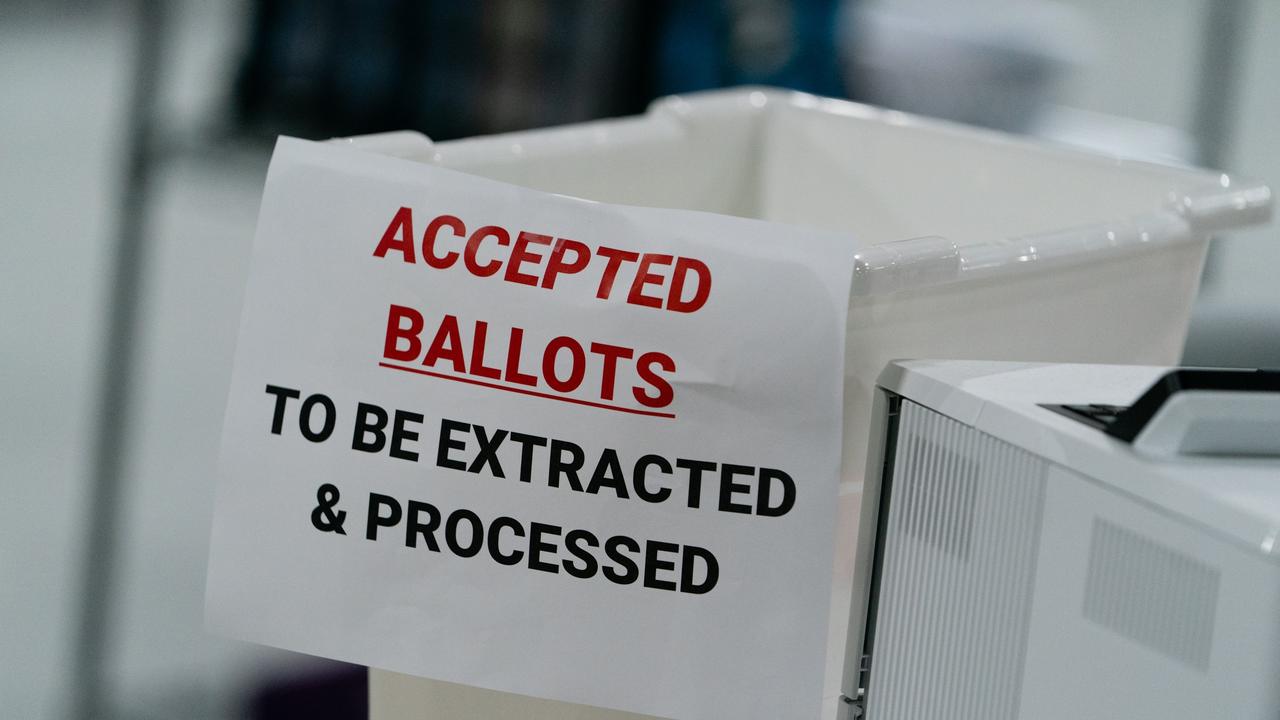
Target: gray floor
[62, 80]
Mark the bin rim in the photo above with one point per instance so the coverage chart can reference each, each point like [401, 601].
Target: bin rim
[1219, 202]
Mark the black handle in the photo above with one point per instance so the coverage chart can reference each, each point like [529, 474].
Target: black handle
[1130, 422]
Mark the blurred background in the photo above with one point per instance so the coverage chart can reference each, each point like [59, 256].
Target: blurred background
[134, 138]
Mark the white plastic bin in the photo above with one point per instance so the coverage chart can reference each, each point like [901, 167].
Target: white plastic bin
[970, 244]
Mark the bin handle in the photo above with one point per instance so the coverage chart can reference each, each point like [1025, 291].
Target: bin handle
[927, 261]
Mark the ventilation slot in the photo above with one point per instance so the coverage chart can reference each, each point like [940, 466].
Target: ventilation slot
[1151, 594]
[954, 599]
[955, 490]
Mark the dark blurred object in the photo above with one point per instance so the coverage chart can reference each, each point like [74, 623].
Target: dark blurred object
[706, 44]
[339, 692]
[344, 67]
[452, 69]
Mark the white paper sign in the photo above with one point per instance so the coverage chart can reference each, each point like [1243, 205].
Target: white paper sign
[532, 443]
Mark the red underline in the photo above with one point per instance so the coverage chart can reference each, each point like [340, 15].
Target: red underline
[523, 391]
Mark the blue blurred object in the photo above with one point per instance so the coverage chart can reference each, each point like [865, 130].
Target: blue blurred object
[345, 67]
[706, 44]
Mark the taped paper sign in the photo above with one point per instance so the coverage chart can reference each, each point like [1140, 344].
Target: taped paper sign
[531, 443]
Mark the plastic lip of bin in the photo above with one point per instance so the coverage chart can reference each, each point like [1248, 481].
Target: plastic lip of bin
[969, 244]
[1193, 208]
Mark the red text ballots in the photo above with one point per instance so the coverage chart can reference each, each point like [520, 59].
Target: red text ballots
[495, 357]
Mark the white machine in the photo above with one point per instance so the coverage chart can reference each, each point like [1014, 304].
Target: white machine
[1068, 541]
